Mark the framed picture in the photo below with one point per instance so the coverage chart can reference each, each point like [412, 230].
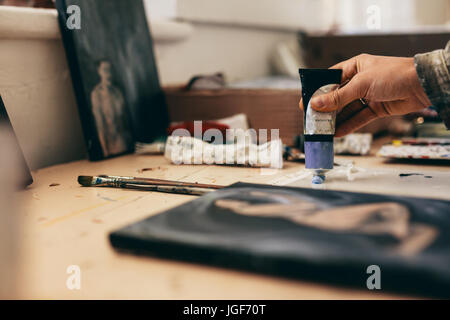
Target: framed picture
[110, 54]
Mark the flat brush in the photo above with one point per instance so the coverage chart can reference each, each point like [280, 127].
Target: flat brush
[99, 181]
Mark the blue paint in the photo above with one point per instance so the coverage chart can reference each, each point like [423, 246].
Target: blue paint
[318, 179]
[319, 155]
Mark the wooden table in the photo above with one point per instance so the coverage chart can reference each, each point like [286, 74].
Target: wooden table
[65, 224]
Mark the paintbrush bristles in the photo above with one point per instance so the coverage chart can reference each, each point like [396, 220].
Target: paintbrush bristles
[86, 181]
[102, 181]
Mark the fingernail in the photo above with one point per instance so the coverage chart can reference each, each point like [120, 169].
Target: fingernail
[317, 103]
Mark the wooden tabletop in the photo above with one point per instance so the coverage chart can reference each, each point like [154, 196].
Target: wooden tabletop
[65, 224]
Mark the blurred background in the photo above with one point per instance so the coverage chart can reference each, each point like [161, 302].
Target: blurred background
[252, 38]
[251, 43]
[244, 39]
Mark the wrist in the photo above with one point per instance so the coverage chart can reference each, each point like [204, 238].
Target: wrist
[416, 84]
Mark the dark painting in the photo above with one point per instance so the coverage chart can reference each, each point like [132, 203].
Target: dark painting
[325, 236]
[114, 74]
[26, 177]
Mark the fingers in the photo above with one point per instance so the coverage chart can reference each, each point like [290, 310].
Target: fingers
[338, 99]
[349, 111]
[300, 105]
[349, 68]
[355, 122]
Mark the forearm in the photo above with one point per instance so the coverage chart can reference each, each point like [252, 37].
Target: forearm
[433, 71]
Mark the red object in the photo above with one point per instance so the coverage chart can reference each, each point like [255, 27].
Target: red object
[205, 125]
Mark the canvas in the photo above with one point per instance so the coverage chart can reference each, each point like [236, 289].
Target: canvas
[114, 74]
[326, 236]
[5, 123]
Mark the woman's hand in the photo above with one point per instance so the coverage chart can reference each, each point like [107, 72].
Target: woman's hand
[387, 86]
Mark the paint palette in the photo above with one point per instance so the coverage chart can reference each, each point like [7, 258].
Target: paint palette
[421, 148]
[423, 183]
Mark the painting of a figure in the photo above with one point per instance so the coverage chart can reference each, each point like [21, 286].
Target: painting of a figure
[320, 235]
[114, 75]
[111, 118]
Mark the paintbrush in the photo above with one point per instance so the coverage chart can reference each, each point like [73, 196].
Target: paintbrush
[101, 180]
[146, 184]
[169, 189]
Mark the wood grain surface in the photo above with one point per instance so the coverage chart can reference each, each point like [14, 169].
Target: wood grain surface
[65, 224]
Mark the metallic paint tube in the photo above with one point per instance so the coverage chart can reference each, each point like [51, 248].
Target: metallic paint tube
[319, 127]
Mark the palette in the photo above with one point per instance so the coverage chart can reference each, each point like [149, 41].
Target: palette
[325, 236]
[420, 148]
[348, 177]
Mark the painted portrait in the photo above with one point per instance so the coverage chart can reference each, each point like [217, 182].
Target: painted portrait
[325, 235]
[110, 113]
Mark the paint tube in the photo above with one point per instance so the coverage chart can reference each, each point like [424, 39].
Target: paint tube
[189, 150]
[319, 127]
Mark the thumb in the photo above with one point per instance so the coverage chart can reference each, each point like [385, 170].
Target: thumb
[339, 98]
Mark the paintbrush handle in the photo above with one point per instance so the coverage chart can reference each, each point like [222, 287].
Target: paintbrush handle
[178, 184]
[168, 189]
[151, 181]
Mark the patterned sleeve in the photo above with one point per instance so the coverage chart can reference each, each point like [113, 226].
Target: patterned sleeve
[433, 71]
